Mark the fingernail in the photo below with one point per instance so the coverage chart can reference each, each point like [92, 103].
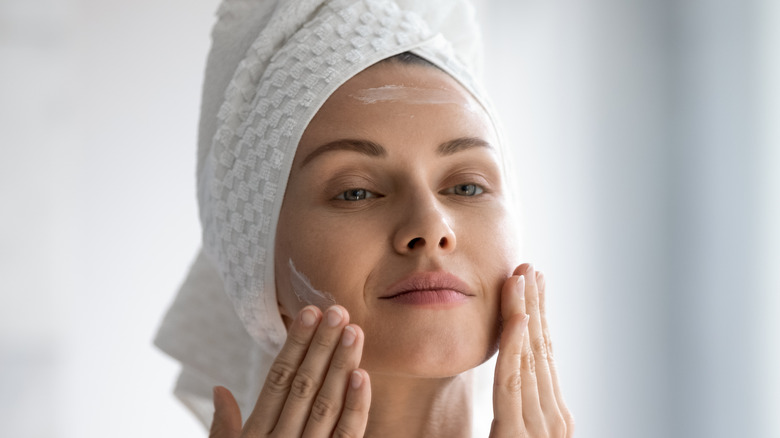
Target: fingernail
[530, 270]
[521, 286]
[308, 318]
[334, 316]
[216, 399]
[348, 336]
[540, 281]
[356, 379]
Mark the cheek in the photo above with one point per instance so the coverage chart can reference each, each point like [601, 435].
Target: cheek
[490, 253]
[337, 256]
[490, 239]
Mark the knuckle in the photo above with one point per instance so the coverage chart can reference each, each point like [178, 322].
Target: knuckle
[539, 345]
[532, 300]
[341, 432]
[279, 377]
[552, 364]
[527, 363]
[339, 362]
[303, 386]
[353, 408]
[324, 342]
[513, 383]
[548, 342]
[323, 409]
[297, 339]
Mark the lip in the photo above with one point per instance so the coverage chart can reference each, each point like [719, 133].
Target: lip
[428, 288]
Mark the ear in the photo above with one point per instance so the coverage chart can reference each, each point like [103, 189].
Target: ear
[287, 319]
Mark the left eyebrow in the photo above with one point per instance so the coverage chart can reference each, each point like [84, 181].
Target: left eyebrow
[461, 144]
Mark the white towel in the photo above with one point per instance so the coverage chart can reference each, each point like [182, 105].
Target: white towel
[271, 67]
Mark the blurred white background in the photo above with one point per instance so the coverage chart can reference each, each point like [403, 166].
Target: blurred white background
[648, 148]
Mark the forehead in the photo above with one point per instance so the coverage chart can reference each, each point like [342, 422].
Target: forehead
[419, 84]
[389, 98]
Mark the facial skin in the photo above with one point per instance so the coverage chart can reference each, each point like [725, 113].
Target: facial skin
[417, 209]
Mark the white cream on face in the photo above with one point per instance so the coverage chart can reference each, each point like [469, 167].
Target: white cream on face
[306, 293]
[411, 96]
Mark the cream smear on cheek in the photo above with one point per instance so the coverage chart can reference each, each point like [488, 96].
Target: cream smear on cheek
[306, 293]
[411, 95]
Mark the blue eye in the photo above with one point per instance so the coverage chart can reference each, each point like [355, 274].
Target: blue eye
[355, 195]
[467, 190]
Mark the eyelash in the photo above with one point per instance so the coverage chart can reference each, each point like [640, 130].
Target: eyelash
[358, 194]
[478, 190]
[366, 194]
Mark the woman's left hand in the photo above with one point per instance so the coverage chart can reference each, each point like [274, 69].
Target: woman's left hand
[527, 399]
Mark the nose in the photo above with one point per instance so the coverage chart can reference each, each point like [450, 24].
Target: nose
[424, 228]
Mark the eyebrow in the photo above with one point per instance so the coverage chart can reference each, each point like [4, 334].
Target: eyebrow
[372, 149]
[362, 146]
[461, 144]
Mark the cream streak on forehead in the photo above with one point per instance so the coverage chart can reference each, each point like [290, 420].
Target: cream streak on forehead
[411, 95]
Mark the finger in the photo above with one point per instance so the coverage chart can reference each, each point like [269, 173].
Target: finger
[354, 416]
[311, 374]
[535, 422]
[539, 348]
[564, 410]
[282, 372]
[513, 297]
[541, 285]
[227, 416]
[329, 402]
[508, 400]
[508, 381]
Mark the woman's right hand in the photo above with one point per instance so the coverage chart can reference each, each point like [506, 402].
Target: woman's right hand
[314, 387]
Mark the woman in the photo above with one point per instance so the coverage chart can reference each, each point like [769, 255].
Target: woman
[388, 271]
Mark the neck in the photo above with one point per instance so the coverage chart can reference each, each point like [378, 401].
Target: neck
[412, 406]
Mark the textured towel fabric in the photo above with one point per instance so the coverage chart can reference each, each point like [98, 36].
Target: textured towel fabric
[271, 67]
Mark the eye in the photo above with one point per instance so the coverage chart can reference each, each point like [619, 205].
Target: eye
[355, 195]
[467, 190]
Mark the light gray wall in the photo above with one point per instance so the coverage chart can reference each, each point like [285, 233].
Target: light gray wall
[648, 149]
[98, 116]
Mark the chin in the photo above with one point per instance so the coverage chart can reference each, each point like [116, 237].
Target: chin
[439, 355]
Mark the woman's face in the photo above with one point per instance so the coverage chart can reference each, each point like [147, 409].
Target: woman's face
[397, 208]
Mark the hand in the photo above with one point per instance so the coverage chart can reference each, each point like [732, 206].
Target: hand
[527, 399]
[313, 389]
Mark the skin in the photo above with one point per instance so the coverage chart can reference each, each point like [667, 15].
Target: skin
[356, 222]
[411, 186]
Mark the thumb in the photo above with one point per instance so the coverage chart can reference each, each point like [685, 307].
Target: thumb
[227, 415]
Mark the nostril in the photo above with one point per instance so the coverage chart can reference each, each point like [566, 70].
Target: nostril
[443, 242]
[413, 242]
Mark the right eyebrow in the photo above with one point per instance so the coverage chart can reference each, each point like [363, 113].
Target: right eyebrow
[356, 145]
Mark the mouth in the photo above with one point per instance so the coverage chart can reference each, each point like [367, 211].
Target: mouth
[428, 288]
